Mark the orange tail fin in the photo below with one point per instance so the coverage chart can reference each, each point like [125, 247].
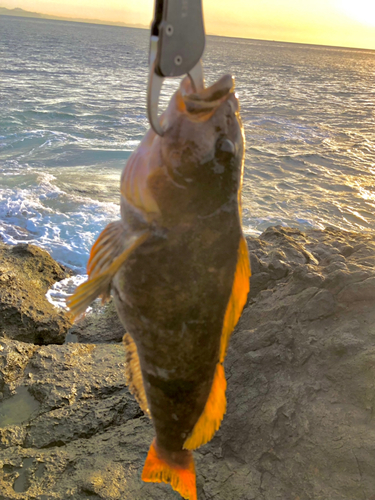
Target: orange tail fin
[176, 469]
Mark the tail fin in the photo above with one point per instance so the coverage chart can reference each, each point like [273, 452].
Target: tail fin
[176, 469]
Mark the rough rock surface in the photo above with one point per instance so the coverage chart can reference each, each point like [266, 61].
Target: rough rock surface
[102, 325]
[26, 273]
[301, 375]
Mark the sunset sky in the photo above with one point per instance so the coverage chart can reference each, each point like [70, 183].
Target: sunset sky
[348, 23]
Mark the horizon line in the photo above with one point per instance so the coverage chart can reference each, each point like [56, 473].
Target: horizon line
[100, 22]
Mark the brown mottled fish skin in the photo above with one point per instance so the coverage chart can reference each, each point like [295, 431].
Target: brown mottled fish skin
[172, 292]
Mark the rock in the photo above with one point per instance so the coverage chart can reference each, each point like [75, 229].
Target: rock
[26, 273]
[321, 304]
[100, 326]
[77, 405]
[300, 371]
[14, 357]
[359, 291]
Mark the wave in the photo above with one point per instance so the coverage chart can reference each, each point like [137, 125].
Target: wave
[58, 149]
[60, 291]
[65, 224]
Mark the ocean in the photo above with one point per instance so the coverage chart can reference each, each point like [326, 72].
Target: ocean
[73, 108]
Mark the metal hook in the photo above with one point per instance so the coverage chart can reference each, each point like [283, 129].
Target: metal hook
[155, 83]
[176, 47]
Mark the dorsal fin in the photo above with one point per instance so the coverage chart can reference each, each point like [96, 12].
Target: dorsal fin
[133, 373]
[109, 252]
[238, 297]
[214, 410]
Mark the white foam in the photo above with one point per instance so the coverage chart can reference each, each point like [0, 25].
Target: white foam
[61, 290]
[63, 223]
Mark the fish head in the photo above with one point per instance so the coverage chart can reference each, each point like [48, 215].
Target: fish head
[196, 167]
[201, 149]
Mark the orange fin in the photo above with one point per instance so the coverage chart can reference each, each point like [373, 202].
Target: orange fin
[213, 413]
[133, 373]
[158, 469]
[110, 244]
[109, 252]
[87, 292]
[238, 297]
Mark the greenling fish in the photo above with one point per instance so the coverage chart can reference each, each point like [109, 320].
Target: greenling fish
[178, 268]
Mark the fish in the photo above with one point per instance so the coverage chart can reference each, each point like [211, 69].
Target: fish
[177, 266]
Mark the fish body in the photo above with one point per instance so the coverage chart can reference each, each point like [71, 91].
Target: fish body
[178, 269]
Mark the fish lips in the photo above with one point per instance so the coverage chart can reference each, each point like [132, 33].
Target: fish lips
[203, 104]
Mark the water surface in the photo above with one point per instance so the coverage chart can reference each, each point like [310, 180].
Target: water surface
[73, 100]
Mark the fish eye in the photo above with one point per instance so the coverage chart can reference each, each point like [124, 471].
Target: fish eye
[225, 145]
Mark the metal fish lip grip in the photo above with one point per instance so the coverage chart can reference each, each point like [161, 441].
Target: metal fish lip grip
[176, 46]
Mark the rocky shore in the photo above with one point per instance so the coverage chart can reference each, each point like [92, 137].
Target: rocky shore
[26, 273]
[300, 421]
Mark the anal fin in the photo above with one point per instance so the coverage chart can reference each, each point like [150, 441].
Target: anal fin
[213, 413]
[108, 253]
[166, 468]
[133, 373]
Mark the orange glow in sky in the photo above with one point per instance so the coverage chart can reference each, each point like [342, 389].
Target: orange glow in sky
[349, 23]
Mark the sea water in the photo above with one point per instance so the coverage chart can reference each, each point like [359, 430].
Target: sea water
[73, 108]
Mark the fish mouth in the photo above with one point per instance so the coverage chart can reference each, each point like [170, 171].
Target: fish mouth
[209, 99]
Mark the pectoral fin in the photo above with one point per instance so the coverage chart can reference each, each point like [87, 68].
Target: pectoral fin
[109, 252]
[88, 292]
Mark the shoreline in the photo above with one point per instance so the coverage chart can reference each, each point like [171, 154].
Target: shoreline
[300, 371]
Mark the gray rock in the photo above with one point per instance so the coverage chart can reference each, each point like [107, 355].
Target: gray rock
[300, 371]
[98, 327]
[359, 291]
[26, 273]
[320, 305]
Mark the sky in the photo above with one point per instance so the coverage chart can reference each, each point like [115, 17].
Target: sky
[346, 23]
